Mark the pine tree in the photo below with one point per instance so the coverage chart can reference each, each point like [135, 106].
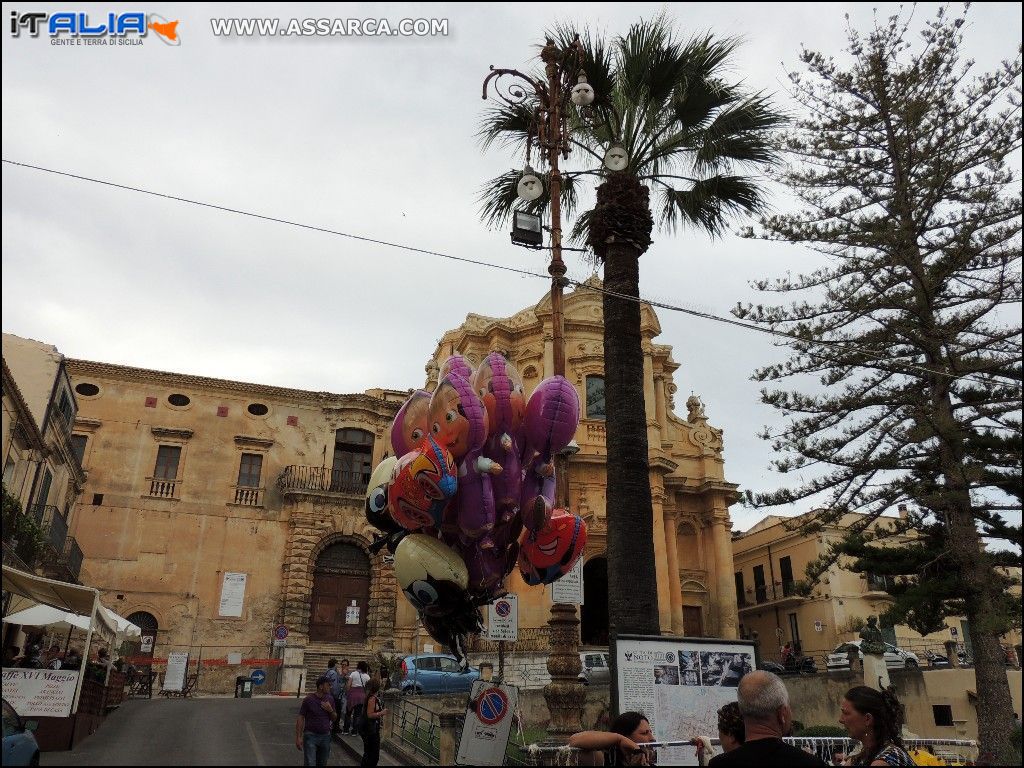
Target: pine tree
[900, 164]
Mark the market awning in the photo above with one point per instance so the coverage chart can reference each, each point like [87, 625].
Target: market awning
[28, 590]
[125, 629]
[47, 616]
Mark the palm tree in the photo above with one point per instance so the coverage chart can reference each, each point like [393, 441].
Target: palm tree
[687, 132]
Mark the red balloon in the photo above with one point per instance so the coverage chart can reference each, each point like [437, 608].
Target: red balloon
[551, 552]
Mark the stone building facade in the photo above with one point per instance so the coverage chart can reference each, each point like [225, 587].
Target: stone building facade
[196, 485]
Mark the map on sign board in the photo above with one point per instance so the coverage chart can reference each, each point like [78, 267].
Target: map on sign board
[569, 588]
[680, 684]
[488, 724]
[503, 619]
[232, 593]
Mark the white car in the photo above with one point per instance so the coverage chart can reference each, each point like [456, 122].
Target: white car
[895, 658]
[595, 668]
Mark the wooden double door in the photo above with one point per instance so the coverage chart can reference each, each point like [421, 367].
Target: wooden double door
[339, 606]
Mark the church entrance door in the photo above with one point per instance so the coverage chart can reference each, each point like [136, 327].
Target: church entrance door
[341, 595]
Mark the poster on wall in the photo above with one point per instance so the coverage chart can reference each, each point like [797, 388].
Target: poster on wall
[569, 588]
[232, 593]
[679, 684]
[39, 692]
[503, 619]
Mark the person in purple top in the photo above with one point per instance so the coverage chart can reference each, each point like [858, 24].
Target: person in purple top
[313, 726]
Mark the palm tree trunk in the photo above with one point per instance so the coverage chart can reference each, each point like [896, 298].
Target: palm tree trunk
[632, 579]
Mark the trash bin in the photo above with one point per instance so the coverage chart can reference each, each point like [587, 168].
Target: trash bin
[243, 687]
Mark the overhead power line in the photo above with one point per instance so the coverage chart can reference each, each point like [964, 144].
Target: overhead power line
[515, 270]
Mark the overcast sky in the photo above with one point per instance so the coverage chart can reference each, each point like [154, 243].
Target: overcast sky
[371, 136]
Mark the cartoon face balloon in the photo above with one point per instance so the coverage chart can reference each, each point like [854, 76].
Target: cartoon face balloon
[423, 483]
[430, 574]
[500, 387]
[456, 364]
[457, 417]
[552, 551]
[410, 424]
[376, 508]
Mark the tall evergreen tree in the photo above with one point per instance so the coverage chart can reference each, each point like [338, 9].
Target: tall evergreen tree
[912, 327]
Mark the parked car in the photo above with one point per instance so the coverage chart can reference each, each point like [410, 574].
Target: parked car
[434, 673]
[20, 747]
[895, 658]
[797, 666]
[941, 661]
[595, 668]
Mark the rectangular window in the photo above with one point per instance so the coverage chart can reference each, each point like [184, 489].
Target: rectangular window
[741, 598]
[66, 409]
[44, 492]
[167, 458]
[9, 468]
[943, 714]
[788, 583]
[78, 446]
[249, 470]
[760, 590]
[595, 397]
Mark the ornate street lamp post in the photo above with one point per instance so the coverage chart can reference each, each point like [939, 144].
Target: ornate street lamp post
[565, 88]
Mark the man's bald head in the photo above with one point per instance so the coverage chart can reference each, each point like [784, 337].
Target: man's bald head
[764, 700]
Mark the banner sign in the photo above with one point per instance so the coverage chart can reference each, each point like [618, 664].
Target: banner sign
[40, 692]
[232, 593]
[569, 588]
[177, 667]
[680, 684]
[503, 619]
[488, 724]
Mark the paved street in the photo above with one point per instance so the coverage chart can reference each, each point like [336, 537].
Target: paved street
[195, 732]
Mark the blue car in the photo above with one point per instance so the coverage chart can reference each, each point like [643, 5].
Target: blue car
[435, 673]
[20, 746]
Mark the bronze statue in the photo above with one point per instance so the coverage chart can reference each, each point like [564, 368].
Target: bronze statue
[871, 638]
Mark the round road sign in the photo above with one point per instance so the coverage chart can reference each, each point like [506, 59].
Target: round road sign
[492, 706]
[259, 677]
[503, 608]
[281, 632]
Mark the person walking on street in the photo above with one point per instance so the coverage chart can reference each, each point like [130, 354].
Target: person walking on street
[371, 723]
[313, 726]
[875, 719]
[767, 717]
[356, 694]
[344, 719]
[337, 692]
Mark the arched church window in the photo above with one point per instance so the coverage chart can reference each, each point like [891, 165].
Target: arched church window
[595, 397]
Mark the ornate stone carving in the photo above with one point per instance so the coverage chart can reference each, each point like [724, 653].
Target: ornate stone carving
[565, 695]
[248, 441]
[701, 434]
[168, 433]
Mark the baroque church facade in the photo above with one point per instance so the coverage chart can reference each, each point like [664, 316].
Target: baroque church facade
[215, 511]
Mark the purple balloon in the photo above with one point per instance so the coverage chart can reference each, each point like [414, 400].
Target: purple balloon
[552, 416]
[410, 424]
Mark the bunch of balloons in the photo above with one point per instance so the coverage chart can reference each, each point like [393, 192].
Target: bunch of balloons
[470, 492]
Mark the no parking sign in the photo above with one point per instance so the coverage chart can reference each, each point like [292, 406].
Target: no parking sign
[503, 619]
[488, 724]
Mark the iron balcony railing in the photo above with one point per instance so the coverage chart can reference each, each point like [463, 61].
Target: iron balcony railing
[55, 527]
[248, 496]
[73, 556]
[297, 479]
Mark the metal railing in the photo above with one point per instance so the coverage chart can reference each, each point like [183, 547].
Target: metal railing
[248, 496]
[828, 748]
[73, 556]
[417, 729]
[297, 478]
[162, 488]
[56, 531]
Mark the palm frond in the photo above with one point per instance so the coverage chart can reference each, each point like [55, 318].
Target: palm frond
[507, 125]
[499, 198]
[740, 133]
[709, 203]
[697, 100]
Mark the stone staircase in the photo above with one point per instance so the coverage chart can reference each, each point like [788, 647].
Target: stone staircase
[319, 653]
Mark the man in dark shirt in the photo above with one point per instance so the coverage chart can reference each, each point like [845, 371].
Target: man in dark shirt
[764, 704]
[313, 726]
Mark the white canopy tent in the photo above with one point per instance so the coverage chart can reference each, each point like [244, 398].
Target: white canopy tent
[30, 591]
[48, 616]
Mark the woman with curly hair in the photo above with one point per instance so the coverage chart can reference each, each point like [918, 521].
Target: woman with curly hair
[875, 719]
[731, 733]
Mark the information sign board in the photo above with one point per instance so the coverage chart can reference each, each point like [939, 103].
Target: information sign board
[177, 667]
[680, 683]
[503, 619]
[40, 692]
[232, 594]
[569, 588]
[488, 724]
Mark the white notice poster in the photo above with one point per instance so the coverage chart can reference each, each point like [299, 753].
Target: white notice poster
[177, 667]
[232, 593]
[503, 619]
[352, 614]
[569, 588]
[40, 692]
[680, 685]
